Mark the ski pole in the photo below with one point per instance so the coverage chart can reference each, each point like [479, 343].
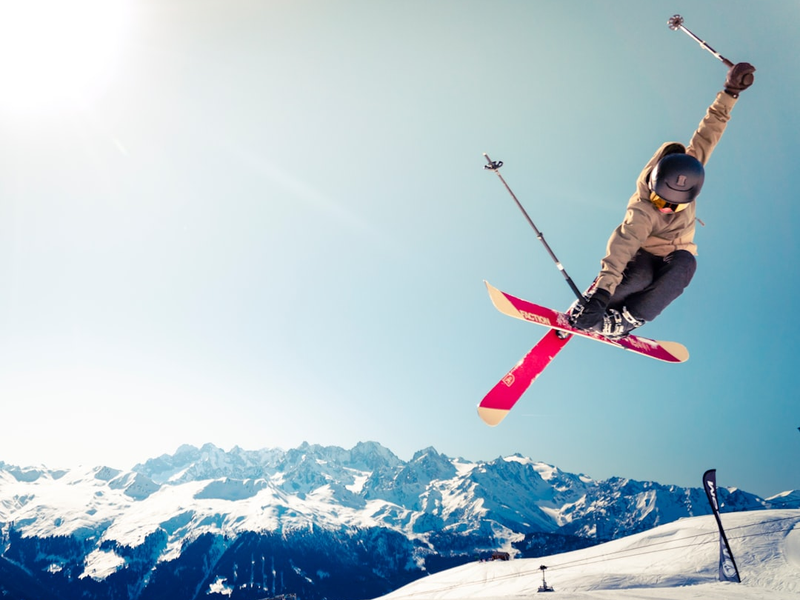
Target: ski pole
[495, 166]
[676, 22]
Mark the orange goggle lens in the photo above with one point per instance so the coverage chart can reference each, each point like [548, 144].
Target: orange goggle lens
[664, 206]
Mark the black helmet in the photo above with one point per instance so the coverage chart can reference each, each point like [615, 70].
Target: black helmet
[677, 178]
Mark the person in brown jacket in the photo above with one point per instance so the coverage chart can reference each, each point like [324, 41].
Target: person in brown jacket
[650, 257]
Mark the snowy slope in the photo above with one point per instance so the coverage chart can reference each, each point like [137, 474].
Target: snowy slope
[677, 561]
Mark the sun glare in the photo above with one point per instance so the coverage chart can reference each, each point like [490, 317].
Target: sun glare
[58, 53]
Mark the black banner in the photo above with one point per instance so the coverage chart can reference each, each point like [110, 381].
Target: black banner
[727, 566]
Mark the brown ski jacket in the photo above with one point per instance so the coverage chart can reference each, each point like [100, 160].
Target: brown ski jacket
[644, 226]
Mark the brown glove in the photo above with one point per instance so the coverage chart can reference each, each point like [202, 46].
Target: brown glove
[740, 77]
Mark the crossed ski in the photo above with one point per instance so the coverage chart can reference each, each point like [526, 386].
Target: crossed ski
[505, 394]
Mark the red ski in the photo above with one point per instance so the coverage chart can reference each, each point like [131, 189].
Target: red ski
[502, 397]
[528, 311]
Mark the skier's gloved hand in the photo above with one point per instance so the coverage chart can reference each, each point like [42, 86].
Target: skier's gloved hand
[740, 77]
[593, 310]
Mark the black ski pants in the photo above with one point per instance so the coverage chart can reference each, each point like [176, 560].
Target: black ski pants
[650, 283]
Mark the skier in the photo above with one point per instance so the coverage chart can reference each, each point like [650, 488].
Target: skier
[650, 257]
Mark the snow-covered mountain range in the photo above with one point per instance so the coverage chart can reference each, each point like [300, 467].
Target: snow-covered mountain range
[314, 521]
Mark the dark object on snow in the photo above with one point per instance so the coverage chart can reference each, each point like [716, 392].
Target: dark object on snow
[727, 566]
[501, 556]
[544, 587]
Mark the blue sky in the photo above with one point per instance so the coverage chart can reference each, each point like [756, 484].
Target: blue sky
[263, 223]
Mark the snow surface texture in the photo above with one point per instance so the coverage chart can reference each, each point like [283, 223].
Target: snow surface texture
[677, 561]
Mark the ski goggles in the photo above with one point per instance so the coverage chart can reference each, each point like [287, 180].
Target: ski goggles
[666, 207]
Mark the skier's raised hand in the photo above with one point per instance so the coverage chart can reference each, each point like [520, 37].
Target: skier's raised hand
[740, 77]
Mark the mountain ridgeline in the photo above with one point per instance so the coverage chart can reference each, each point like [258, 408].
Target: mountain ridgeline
[315, 522]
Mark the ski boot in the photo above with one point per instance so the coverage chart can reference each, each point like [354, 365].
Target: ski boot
[617, 324]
